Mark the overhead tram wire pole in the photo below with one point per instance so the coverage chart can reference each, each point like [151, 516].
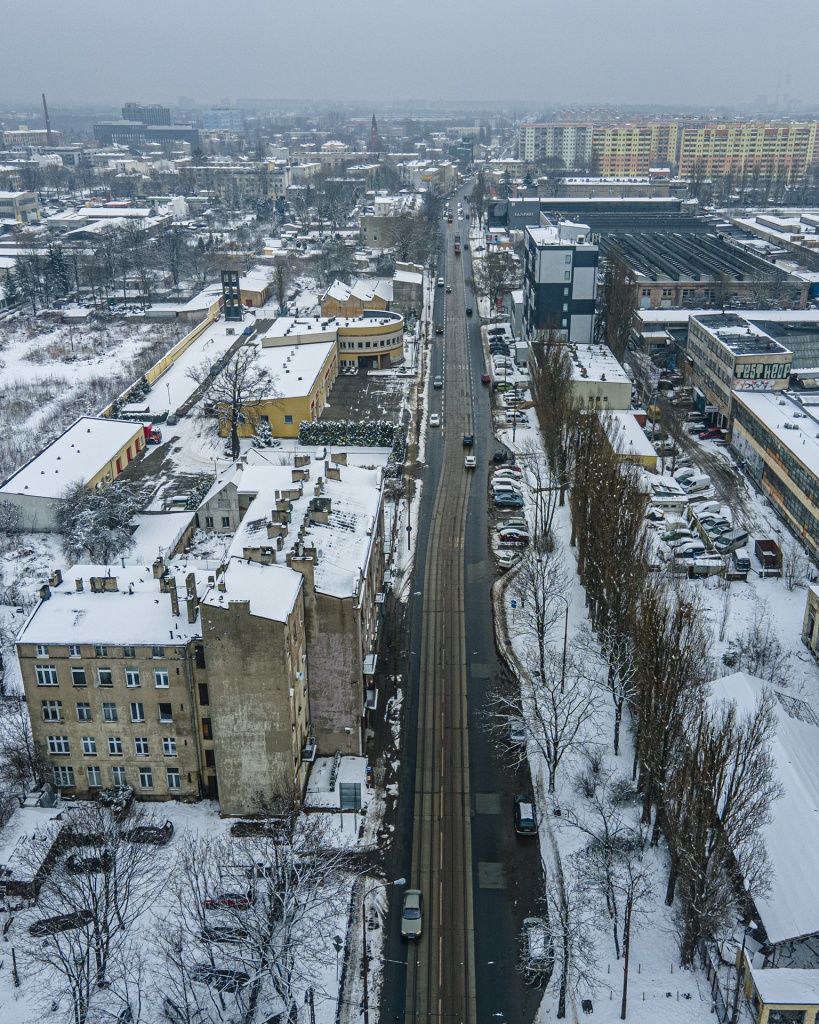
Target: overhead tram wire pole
[378, 885]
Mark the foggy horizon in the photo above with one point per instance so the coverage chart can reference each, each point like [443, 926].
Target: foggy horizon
[533, 57]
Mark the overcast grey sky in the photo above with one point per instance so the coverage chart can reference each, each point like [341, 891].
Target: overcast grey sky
[536, 52]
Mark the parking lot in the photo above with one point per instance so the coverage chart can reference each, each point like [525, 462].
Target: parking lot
[367, 396]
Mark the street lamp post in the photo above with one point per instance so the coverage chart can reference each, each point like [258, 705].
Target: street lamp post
[378, 885]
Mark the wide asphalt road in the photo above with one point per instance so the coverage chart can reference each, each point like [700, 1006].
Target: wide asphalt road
[455, 838]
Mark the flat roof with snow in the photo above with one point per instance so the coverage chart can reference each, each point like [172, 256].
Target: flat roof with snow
[343, 543]
[794, 425]
[295, 369]
[271, 590]
[137, 613]
[626, 435]
[786, 986]
[740, 336]
[78, 454]
[599, 364]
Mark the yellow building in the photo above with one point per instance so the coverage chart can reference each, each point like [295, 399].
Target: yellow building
[342, 299]
[626, 437]
[779, 150]
[782, 993]
[372, 341]
[302, 377]
[93, 451]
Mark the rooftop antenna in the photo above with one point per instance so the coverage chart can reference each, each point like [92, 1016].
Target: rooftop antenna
[49, 140]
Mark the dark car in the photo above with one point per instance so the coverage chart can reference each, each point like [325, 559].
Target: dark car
[222, 979]
[60, 923]
[223, 933]
[500, 455]
[77, 864]
[439, 329]
[231, 900]
[525, 816]
[469, 311]
[469, 440]
[158, 835]
[438, 382]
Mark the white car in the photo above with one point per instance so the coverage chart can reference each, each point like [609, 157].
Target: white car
[506, 559]
[470, 462]
[440, 282]
[434, 420]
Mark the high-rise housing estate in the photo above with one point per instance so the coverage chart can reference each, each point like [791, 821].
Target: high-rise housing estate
[779, 150]
[782, 150]
[151, 113]
[223, 119]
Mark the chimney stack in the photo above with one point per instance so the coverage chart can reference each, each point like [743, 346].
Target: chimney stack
[193, 609]
[174, 596]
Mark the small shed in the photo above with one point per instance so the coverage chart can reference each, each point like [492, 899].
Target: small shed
[783, 995]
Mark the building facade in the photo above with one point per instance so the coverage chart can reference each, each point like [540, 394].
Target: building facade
[779, 150]
[20, 206]
[730, 354]
[560, 282]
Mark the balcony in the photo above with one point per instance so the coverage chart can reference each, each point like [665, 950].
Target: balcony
[369, 664]
[308, 751]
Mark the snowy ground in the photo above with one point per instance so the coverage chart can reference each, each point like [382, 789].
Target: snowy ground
[658, 989]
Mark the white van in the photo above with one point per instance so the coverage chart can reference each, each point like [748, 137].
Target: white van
[731, 541]
[698, 482]
[682, 475]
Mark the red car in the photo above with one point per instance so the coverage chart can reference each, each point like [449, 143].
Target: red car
[235, 900]
[712, 434]
[485, 378]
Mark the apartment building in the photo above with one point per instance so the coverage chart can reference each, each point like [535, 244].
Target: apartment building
[223, 119]
[633, 148]
[729, 354]
[569, 143]
[560, 282]
[323, 519]
[180, 684]
[113, 666]
[779, 150]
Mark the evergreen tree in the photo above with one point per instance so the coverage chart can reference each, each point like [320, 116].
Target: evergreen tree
[11, 289]
[263, 437]
[57, 270]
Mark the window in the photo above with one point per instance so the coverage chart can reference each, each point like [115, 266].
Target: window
[137, 712]
[174, 781]
[206, 729]
[83, 711]
[225, 521]
[115, 746]
[567, 275]
[568, 257]
[289, 419]
[119, 776]
[47, 675]
[42, 650]
[141, 746]
[89, 746]
[63, 776]
[210, 758]
[161, 678]
[265, 419]
[74, 651]
[146, 778]
[52, 710]
[109, 713]
[132, 677]
[78, 676]
[199, 652]
[169, 746]
[105, 676]
[94, 775]
[165, 713]
[101, 651]
[128, 652]
[565, 291]
[208, 521]
[58, 745]
[204, 696]
[158, 652]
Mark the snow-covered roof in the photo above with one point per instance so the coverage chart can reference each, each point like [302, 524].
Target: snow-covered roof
[342, 544]
[682, 316]
[627, 435]
[786, 986]
[598, 361]
[740, 336]
[16, 861]
[157, 533]
[794, 425]
[791, 909]
[295, 369]
[77, 454]
[408, 276]
[271, 590]
[137, 613]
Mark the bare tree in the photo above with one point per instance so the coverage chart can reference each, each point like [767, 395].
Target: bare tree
[479, 196]
[795, 563]
[554, 397]
[619, 300]
[282, 273]
[758, 650]
[237, 390]
[97, 524]
[105, 881]
[496, 274]
[571, 923]
[22, 766]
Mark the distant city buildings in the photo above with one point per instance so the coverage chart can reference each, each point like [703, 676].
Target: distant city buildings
[223, 119]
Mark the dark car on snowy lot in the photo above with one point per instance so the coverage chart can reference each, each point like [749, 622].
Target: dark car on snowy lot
[60, 923]
[222, 979]
[157, 835]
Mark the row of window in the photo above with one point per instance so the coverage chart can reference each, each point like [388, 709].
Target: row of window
[53, 711]
[47, 676]
[802, 477]
[385, 342]
[60, 745]
[100, 651]
[64, 777]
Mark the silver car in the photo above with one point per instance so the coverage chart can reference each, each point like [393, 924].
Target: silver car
[412, 914]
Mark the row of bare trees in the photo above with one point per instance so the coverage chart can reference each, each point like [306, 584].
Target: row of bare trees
[215, 929]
